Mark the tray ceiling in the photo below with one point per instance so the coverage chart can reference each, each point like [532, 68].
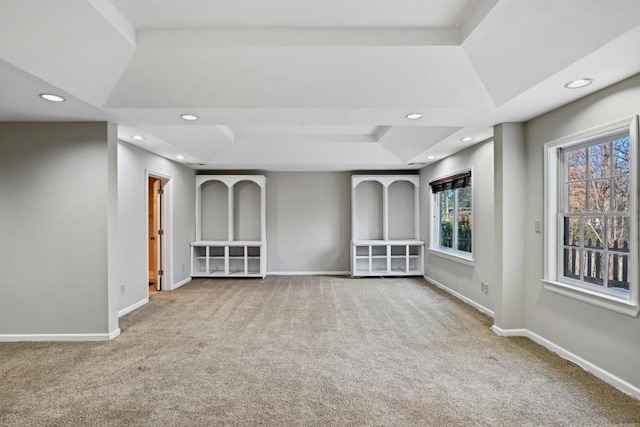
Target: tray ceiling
[308, 85]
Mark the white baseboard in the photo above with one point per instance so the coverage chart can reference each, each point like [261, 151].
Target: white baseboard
[59, 337]
[181, 283]
[510, 332]
[458, 295]
[132, 307]
[308, 273]
[604, 375]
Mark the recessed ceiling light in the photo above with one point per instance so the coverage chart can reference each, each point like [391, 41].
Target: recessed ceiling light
[138, 137]
[576, 84]
[180, 157]
[189, 117]
[431, 157]
[51, 97]
[466, 139]
[413, 116]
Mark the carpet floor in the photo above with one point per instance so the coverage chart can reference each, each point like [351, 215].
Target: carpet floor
[310, 351]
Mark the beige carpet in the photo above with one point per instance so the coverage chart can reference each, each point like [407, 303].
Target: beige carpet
[303, 351]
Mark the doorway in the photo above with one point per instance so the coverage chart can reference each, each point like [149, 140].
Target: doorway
[155, 235]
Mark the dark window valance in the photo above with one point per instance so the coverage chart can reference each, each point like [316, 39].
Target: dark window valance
[452, 182]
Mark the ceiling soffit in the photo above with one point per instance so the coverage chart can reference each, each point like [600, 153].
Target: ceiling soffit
[281, 77]
[331, 14]
[60, 52]
[520, 44]
[301, 82]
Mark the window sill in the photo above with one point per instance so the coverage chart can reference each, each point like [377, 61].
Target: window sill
[607, 302]
[453, 256]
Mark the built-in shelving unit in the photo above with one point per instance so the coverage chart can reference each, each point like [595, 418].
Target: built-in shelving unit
[230, 227]
[385, 226]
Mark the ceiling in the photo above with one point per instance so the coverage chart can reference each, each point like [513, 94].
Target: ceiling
[307, 84]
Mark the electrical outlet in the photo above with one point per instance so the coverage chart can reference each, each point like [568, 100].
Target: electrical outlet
[537, 226]
[484, 287]
[122, 289]
[183, 267]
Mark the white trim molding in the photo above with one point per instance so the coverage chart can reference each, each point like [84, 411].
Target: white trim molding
[308, 273]
[553, 281]
[180, 283]
[594, 298]
[132, 307]
[509, 332]
[602, 374]
[167, 222]
[434, 247]
[458, 295]
[452, 256]
[59, 337]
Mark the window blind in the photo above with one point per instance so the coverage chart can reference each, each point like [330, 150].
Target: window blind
[459, 180]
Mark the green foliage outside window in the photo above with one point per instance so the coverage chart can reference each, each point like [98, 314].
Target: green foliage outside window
[455, 214]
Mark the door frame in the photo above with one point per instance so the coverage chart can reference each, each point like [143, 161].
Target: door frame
[166, 225]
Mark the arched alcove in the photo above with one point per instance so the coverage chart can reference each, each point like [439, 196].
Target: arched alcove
[230, 226]
[368, 219]
[214, 210]
[246, 212]
[385, 226]
[401, 207]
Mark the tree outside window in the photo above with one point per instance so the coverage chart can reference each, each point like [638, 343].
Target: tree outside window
[596, 215]
[453, 219]
[464, 219]
[591, 216]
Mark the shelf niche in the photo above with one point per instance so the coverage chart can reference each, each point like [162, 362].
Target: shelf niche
[246, 211]
[230, 226]
[215, 211]
[402, 215]
[385, 226]
[368, 222]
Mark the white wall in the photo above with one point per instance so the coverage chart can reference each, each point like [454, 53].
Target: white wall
[132, 166]
[57, 230]
[460, 278]
[308, 221]
[606, 339]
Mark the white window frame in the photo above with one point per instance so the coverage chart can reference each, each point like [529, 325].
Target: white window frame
[434, 241]
[553, 192]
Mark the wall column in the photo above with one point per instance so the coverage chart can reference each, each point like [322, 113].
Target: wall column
[58, 222]
[509, 206]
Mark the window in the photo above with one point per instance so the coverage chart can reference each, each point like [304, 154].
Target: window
[591, 196]
[452, 224]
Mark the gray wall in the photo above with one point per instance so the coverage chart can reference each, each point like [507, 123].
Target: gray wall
[57, 228]
[456, 276]
[132, 166]
[246, 211]
[308, 221]
[369, 223]
[401, 210]
[510, 199]
[607, 339]
[214, 202]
